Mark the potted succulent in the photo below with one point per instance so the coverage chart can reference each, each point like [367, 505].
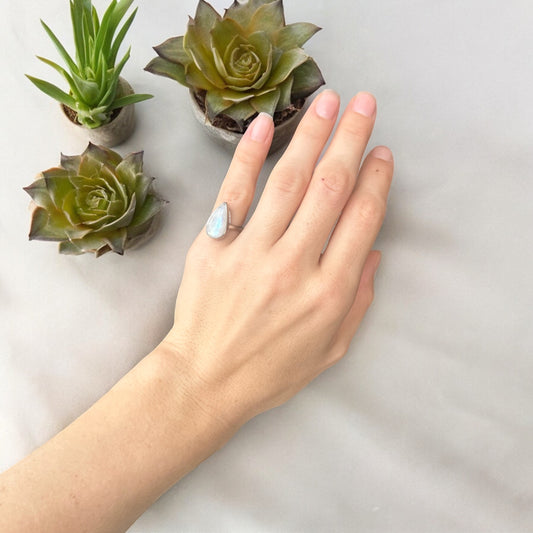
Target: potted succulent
[94, 202]
[99, 102]
[240, 64]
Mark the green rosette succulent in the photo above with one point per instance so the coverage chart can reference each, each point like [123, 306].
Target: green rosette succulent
[94, 202]
[245, 62]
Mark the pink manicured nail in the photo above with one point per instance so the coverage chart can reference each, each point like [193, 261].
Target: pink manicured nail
[259, 129]
[327, 105]
[364, 104]
[382, 152]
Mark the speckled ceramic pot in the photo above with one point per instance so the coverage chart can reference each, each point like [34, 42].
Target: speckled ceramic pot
[282, 133]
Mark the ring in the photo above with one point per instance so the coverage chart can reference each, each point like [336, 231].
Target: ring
[219, 222]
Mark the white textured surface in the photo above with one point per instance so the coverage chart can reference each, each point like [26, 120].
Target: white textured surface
[427, 424]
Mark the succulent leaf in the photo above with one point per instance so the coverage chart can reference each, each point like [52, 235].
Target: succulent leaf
[205, 18]
[120, 38]
[307, 79]
[215, 104]
[286, 65]
[102, 154]
[246, 51]
[164, 67]
[223, 33]
[129, 171]
[60, 48]
[73, 87]
[90, 202]
[58, 184]
[39, 194]
[125, 219]
[68, 248]
[129, 99]
[151, 207]
[199, 53]
[42, 229]
[88, 89]
[242, 13]
[53, 91]
[268, 102]
[295, 35]
[91, 243]
[172, 50]
[241, 112]
[68, 209]
[285, 90]
[142, 188]
[195, 78]
[117, 240]
[268, 18]
[70, 162]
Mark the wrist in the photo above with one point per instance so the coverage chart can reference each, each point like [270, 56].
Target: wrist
[192, 399]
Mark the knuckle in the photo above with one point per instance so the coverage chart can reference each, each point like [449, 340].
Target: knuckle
[335, 178]
[308, 132]
[245, 157]
[359, 130]
[371, 209]
[286, 275]
[235, 194]
[288, 178]
[332, 296]
[336, 353]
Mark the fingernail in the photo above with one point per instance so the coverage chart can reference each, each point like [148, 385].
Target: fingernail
[382, 152]
[259, 129]
[327, 105]
[364, 104]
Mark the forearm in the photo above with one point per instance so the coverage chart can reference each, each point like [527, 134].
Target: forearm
[102, 471]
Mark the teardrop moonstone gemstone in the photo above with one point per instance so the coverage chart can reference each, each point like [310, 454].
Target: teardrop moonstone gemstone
[217, 224]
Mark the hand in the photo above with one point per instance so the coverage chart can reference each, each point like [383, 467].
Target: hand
[261, 313]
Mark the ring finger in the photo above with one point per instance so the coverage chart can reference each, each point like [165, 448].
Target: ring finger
[238, 187]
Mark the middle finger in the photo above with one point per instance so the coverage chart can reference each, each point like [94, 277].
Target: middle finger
[290, 178]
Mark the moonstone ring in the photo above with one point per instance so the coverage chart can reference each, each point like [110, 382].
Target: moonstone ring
[219, 222]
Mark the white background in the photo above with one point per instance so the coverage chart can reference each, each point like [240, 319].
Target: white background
[427, 424]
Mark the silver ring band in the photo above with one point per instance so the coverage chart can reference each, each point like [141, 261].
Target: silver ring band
[236, 228]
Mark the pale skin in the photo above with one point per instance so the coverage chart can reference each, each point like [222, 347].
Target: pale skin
[259, 314]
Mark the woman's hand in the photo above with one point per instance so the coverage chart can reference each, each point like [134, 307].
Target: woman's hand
[261, 313]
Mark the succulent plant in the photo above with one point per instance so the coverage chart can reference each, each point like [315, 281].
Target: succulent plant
[93, 77]
[245, 62]
[94, 202]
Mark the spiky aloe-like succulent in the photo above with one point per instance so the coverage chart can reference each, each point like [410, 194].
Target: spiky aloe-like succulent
[94, 202]
[246, 61]
[93, 77]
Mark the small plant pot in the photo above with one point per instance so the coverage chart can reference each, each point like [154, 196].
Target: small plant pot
[283, 130]
[113, 133]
